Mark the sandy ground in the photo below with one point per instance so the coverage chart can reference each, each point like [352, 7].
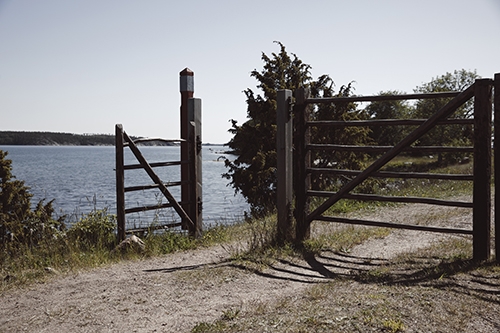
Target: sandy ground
[174, 292]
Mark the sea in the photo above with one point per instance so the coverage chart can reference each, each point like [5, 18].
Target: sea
[81, 179]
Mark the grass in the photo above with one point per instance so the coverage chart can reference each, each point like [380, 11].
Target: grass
[90, 245]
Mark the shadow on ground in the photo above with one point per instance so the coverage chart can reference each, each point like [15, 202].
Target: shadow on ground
[457, 275]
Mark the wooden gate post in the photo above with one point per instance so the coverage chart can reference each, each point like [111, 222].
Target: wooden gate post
[302, 161]
[195, 167]
[496, 101]
[481, 220]
[187, 92]
[120, 183]
[284, 170]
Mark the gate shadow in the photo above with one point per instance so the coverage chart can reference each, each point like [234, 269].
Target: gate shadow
[331, 266]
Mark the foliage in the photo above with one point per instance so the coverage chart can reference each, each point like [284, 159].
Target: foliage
[323, 88]
[253, 172]
[388, 135]
[94, 230]
[19, 223]
[448, 135]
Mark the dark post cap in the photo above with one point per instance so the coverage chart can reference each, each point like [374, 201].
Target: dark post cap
[187, 72]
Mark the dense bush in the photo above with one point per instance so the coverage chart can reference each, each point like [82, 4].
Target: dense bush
[19, 224]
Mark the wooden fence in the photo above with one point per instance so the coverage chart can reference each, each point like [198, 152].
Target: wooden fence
[189, 208]
[295, 167]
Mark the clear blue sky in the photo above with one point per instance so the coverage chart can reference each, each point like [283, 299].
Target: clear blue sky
[81, 66]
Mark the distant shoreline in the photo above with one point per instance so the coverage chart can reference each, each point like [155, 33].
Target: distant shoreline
[22, 138]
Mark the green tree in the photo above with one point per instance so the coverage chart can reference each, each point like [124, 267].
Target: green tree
[447, 135]
[388, 135]
[253, 172]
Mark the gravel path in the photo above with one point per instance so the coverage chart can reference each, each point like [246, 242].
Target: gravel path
[174, 292]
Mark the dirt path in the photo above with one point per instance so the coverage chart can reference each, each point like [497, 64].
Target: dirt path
[173, 293]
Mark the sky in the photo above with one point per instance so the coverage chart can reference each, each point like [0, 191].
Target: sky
[82, 66]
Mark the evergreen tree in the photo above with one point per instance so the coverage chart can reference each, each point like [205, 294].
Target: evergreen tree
[253, 172]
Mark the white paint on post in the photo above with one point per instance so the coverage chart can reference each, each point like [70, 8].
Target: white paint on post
[284, 164]
[195, 165]
[187, 82]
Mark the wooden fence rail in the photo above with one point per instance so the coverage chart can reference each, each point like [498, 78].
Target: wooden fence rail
[301, 168]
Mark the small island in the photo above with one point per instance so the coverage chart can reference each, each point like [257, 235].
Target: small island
[21, 138]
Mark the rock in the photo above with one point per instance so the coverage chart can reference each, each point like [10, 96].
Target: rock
[133, 243]
[51, 270]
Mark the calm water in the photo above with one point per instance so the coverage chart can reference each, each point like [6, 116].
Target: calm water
[82, 178]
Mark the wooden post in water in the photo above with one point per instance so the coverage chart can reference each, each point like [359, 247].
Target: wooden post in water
[195, 167]
[284, 150]
[481, 221]
[302, 161]
[496, 101]
[120, 183]
[187, 92]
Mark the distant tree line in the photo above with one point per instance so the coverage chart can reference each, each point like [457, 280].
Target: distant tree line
[8, 138]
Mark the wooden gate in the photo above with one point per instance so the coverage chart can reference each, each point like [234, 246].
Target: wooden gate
[303, 167]
[189, 208]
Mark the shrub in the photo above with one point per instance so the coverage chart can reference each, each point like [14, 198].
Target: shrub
[94, 230]
[19, 224]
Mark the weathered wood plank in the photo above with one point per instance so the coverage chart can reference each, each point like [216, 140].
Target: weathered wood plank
[385, 122]
[186, 85]
[394, 225]
[154, 227]
[482, 169]
[393, 174]
[153, 165]
[496, 100]
[373, 197]
[147, 208]
[120, 183]
[302, 161]
[284, 151]
[449, 94]
[158, 140]
[150, 186]
[195, 167]
[374, 149]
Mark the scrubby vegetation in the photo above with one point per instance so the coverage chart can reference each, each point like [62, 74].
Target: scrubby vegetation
[33, 244]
